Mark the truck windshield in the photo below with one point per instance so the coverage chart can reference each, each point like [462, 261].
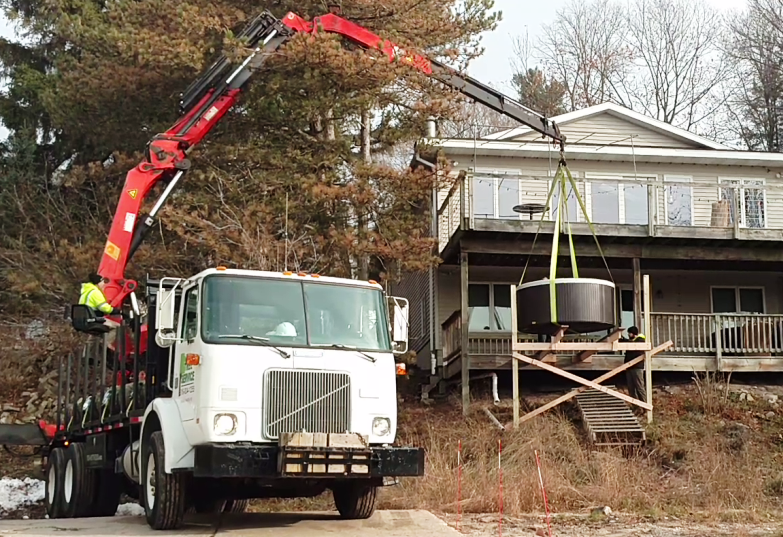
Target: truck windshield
[293, 313]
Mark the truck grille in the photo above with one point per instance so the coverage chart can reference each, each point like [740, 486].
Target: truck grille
[311, 401]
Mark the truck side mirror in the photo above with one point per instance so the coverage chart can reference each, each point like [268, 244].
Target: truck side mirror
[399, 324]
[165, 317]
[164, 314]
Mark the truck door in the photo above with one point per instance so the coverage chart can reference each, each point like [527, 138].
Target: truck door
[185, 349]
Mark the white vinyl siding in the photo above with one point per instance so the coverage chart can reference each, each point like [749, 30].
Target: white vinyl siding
[606, 128]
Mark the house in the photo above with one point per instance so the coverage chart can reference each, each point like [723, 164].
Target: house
[704, 221]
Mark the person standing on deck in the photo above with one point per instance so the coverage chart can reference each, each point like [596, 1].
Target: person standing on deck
[634, 376]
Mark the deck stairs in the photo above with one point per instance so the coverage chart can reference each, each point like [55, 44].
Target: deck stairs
[608, 420]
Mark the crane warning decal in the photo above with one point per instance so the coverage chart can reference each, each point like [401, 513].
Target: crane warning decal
[112, 250]
[133, 193]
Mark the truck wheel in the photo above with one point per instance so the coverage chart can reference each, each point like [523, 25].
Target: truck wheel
[107, 491]
[355, 500]
[164, 494]
[236, 506]
[78, 483]
[55, 469]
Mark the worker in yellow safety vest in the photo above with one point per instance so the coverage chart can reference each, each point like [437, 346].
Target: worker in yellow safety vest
[635, 375]
[92, 296]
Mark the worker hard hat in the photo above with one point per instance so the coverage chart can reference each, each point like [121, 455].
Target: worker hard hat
[283, 329]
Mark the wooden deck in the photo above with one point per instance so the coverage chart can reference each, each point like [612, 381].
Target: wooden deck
[702, 342]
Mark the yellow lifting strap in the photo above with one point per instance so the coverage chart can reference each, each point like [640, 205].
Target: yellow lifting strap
[563, 175]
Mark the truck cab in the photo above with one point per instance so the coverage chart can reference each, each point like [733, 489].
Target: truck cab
[281, 385]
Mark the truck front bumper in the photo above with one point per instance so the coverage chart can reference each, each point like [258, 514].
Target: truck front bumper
[270, 461]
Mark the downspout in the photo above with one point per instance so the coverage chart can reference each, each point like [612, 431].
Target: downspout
[434, 339]
[494, 376]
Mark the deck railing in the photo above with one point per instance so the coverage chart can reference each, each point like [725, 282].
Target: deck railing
[693, 334]
[452, 211]
[671, 207]
[727, 333]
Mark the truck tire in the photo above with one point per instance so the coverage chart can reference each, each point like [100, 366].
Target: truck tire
[236, 506]
[355, 500]
[164, 494]
[107, 491]
[78, 483]
[53, 493]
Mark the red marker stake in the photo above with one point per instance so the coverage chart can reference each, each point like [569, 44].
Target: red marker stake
[543, 493]
[500, 490]
[459, 482]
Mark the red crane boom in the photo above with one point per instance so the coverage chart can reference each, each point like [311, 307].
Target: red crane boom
[210, 97]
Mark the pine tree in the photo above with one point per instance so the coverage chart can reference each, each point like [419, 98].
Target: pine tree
[103, 78]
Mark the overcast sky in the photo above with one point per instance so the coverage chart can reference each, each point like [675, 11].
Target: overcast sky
[519, 16]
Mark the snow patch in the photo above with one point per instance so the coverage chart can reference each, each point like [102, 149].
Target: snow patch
[18, 493]
[130, 509]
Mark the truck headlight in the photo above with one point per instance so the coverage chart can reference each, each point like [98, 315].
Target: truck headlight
[381, 426]
[225, 424]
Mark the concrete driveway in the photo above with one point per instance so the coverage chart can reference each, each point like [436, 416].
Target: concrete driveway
[381, 524]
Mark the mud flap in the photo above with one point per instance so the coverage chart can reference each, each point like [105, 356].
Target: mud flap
[26, 434]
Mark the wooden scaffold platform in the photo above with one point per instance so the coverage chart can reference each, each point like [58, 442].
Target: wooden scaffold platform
[543, 356]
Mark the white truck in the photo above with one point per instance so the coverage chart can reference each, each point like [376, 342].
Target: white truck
[252, 385]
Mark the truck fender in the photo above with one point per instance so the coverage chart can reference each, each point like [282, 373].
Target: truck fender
[163, 415]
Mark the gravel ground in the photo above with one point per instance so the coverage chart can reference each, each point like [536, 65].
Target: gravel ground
[582, 525]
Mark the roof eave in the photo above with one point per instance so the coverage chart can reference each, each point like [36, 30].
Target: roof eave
[618, 154]
[619, 112]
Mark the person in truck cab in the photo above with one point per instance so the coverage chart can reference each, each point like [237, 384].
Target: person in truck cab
[92, 296]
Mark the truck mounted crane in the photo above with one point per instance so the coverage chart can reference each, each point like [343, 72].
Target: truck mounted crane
[245, 384]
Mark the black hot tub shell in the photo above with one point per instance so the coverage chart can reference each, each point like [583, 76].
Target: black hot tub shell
[583, 304]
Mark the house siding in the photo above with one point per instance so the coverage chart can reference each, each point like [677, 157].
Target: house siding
[607, 128]
[672, 291]
[415, 287]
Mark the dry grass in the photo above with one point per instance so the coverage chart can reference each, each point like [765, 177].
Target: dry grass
[708, 456]
[707, 452]
[704, 454]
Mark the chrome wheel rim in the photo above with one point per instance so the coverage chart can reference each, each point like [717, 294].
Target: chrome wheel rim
[68, 482]
[150, 481]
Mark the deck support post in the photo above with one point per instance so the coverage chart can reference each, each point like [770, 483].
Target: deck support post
[637, 295]
[514, 363]
[647, 355]
[464, 332]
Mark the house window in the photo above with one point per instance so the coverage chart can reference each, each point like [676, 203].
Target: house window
[495, 197]
[626, 310]
[737, 300]
[679, 201]
[478, 307]
[572, 209]
[747, 199]
[605, 203]
[483, 197]
[501, 307]
[617, 200]
[489, 307]
[635, 204]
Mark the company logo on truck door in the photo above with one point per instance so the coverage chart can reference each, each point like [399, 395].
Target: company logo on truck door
[187, 376]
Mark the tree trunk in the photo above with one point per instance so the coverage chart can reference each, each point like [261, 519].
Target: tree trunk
[361, 217]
